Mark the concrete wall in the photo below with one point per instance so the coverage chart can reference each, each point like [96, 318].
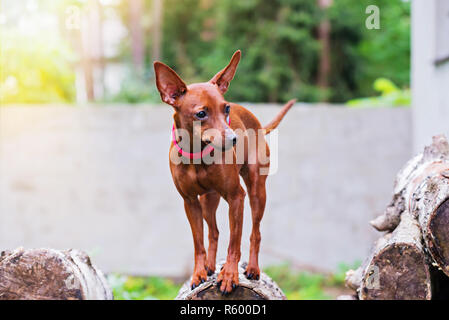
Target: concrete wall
[430, 79]
[97, 179]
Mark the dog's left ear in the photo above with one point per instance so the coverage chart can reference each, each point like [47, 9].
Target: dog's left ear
[224, 77]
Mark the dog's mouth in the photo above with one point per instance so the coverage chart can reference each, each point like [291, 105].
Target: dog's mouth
[223, 147]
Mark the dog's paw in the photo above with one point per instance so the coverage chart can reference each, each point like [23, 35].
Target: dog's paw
[252, 272]
[228, 278]
[198, 278]
[210, 268]
[210, 272]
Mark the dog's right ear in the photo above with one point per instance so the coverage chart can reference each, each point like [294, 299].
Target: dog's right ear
[169, 84]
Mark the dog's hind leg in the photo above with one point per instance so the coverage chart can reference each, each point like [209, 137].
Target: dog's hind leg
[209, 204]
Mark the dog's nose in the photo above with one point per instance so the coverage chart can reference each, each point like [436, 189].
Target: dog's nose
[234, 141]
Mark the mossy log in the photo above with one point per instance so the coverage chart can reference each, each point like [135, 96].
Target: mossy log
[263, 289]
[47, 274]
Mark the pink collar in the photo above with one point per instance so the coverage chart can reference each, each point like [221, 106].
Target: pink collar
[196, 155]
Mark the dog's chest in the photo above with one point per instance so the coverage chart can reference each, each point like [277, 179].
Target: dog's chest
[203, 177]
[192, 180]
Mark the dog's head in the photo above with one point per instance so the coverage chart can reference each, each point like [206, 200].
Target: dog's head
[202, 103]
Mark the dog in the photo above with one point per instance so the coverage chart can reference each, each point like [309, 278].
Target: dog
[200, 184]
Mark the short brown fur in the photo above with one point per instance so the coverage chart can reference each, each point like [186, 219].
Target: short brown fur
[202, 185]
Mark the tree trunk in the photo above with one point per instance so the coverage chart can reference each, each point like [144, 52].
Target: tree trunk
[47, 274]
[324, 31]
[137, 35]
[263, 289]
[417, 221]
[157, 30]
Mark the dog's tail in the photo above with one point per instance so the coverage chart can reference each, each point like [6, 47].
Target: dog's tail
[275, 122]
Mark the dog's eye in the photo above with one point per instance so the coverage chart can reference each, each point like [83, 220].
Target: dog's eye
[227, 109]
[201, 115]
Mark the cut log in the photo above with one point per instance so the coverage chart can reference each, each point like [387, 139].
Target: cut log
[397, 267]
[430, 204]
[47, 274]
[428, 200]
[263, 289]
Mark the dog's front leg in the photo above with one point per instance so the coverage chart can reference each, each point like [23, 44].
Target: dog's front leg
[194, 214]
[229, 276]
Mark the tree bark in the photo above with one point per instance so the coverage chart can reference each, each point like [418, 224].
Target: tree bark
[430, 204]
[263, 289]
[47, 274]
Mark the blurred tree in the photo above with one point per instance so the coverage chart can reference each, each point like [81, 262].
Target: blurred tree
[360, 56]
[36, 64]
[386, 52]
[289, 49]
[157, 29]
[137, 34]
[35, 70]
[276, 37]
[324, 38]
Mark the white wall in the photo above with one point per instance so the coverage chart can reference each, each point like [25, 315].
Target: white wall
[97, 179]
[430, 82]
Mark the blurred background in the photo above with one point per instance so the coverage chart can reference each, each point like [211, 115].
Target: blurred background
[83, 133]
[103, 50]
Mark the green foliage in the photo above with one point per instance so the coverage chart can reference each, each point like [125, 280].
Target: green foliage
[277, 39]
[140, 288]
[35, 70]
[386, 52]
[301, 285]
[390, 96]
[280, 47]
[360, 55]
[297, 285]
[338, 278]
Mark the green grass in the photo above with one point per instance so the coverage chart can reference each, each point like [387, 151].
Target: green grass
[142, 288]
[302, 285]
[297, 285]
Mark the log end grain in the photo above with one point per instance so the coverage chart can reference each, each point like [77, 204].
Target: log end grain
[398, 272]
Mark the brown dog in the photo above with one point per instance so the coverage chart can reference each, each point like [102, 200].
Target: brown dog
[201, 185]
